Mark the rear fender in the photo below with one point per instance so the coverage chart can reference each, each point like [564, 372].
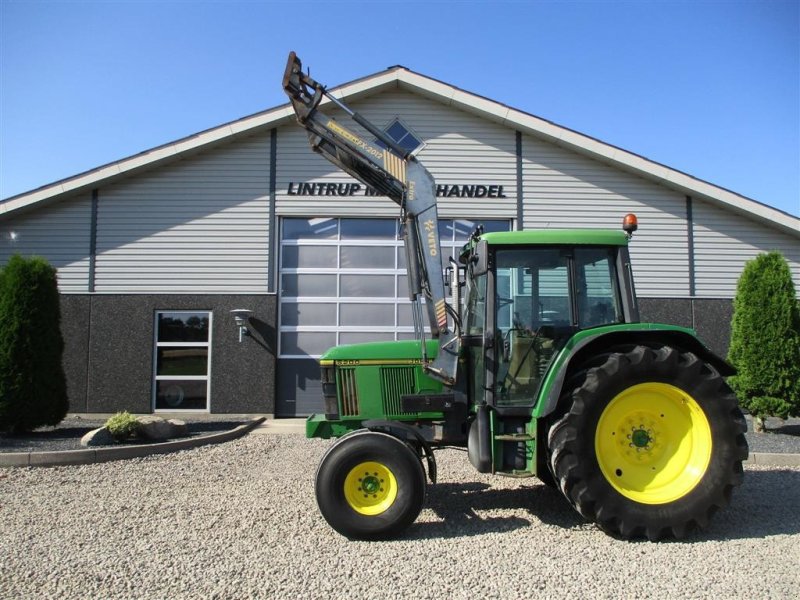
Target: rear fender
[586, 344]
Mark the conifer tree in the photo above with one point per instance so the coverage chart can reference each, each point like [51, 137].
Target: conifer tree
[32, 383]
[765, 339]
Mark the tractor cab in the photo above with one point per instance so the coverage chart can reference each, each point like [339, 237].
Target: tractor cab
[527, 294]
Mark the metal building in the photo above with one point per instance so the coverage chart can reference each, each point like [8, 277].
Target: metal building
[155, 251]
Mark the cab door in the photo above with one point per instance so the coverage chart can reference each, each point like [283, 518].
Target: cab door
[474, 338]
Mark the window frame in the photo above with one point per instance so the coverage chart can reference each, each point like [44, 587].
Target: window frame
[159, 344]
[408, 132]
[614, 294]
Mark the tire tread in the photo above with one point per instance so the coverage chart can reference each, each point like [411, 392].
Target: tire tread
[578, 476]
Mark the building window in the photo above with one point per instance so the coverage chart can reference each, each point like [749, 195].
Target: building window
[402, 135]
[182, 360]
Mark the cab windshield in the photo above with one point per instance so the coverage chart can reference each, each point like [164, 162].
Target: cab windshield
[542, 296]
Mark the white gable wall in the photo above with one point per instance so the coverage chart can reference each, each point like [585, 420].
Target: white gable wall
[460, 148]
[564, 190]
[724, 241]
[58, 232]
[297, 163]
[200, 225]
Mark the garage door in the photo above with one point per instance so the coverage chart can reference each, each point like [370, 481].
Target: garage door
[343, 281]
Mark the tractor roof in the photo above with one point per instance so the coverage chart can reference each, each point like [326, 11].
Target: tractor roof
[560, 237]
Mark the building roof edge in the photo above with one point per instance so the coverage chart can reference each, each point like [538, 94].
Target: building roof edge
[400, 76]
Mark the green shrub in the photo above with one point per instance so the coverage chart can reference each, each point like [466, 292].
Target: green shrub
[765, 406]
[33, 390]
[122, 425]
[765, 339]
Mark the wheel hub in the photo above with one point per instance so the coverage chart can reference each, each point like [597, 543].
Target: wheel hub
[370, 484]
[370, 488]
[640, 438]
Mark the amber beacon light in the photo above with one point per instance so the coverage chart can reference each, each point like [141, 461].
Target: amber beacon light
[630, 224]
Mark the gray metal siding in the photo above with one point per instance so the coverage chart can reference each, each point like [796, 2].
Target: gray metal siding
[197, 226]
[459, 149]
[561, 189]
[564, 190]
[298, 164]
[202, 224]
[60, 233]
[725, 240]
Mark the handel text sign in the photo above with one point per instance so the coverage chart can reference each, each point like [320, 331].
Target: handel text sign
[444, 190]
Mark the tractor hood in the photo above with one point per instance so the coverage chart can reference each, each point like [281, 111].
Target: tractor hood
[405, 352]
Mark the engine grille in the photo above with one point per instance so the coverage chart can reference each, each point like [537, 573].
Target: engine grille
[348, 392]
[396, 382]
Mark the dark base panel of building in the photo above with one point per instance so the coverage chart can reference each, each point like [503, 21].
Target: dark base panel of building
[710, 317]
[110, 344]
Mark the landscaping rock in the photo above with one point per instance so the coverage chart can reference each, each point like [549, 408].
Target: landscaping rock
[179, 428]
[154, 428]
[97, 437]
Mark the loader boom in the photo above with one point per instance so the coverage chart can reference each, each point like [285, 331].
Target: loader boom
[393, 172]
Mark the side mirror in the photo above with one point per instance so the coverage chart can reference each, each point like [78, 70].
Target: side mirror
[480, 258]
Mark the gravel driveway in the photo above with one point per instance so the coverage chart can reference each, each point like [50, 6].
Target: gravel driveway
[239, 520]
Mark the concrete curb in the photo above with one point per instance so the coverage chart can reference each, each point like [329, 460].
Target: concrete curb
[282, 427]
[109, 453]
[768, 459]
[257, 425]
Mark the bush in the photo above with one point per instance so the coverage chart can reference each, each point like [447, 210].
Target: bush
[765, 339]
[122, 426]
[33, 390]
[766, 406]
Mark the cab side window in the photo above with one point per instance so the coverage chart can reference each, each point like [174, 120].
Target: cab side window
[596, 288]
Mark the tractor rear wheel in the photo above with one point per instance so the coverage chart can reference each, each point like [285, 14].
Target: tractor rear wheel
[370, 485]
[652, 444]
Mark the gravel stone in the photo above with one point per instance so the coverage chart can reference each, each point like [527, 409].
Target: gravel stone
[239, 520]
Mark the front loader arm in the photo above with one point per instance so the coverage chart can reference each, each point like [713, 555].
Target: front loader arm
[377, 167]
[393, 172]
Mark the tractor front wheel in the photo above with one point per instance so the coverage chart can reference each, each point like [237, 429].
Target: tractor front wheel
[652, 444]
[370, 485]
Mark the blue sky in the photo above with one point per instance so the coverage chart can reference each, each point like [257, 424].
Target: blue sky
[711, 88]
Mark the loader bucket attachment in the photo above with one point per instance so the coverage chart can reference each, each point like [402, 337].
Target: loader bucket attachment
[304, 92]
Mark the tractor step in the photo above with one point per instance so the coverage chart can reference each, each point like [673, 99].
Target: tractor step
[514, 437]
[515, 474]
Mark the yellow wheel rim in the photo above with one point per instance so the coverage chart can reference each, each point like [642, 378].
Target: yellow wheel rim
[370, 488]
[653, 443]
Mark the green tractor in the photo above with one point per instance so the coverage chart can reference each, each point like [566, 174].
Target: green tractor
[536, 363]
